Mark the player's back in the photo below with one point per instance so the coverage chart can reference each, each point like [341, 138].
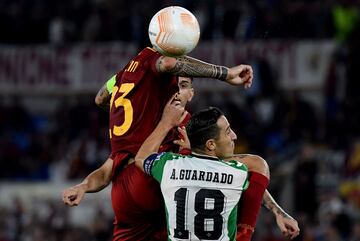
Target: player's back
[138, 99]
[201, 194]
[137, 102]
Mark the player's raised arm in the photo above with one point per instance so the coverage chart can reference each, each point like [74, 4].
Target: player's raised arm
[172, 116]
[191, 67]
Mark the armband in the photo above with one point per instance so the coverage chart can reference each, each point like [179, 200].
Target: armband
[110, 84]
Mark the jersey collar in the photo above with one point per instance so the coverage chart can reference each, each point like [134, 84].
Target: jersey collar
[204, 156]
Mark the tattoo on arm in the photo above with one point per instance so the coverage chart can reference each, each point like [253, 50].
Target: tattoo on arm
[268, 201]
[190, 67]
[103, 98]
[271, 204]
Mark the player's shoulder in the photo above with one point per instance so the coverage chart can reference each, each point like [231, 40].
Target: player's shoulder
[175, 156]
[118, 75]
[236, 164]
[145, 60]
[169, 156]
[250, 157]
[253, 162]
[147, 53]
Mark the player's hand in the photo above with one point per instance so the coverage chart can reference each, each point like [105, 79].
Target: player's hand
[288, 226]
[241, 74]
[173, 113]
[72, 196]
[184, 142]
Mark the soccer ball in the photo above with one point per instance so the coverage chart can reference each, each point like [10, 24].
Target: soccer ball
[174, 31]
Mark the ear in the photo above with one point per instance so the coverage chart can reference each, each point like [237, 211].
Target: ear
[192, 94]
[210, 145]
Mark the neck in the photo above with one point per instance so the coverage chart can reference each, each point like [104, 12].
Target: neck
[204, 152]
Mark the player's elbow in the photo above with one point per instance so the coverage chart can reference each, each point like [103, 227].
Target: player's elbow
[167, 64]
[98, 100]
[102, 100]
[139, 162]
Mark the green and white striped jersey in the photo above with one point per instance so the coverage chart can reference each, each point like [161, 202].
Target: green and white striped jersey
[201, 194]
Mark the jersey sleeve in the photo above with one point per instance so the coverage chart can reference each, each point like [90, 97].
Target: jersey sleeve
[154, 164]
[246, 183]
[242, 168]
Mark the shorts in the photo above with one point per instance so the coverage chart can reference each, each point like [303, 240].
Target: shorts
[138, 205]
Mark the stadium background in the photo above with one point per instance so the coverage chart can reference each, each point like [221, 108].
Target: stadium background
[302, 114]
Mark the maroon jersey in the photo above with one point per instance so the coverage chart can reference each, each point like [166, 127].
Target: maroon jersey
[137, 102]
[168, 143]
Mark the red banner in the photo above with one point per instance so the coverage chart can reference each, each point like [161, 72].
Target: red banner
[86, 67]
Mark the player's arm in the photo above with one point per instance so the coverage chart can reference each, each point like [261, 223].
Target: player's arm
[102, 98]
[287, 224]
[172, 116]
[251, 198]
[190, 67]
[94, 182]
[254, 163]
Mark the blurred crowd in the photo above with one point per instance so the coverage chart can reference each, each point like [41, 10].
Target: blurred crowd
[49, 220]
[64, 21]
[313, 151]
[64, 144]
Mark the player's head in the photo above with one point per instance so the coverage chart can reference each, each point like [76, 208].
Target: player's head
[186, 91]
[209, 131]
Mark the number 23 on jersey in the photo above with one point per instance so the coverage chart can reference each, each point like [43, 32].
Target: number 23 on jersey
[122, 101]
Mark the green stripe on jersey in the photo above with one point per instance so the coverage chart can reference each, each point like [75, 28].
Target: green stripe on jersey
[240, 166]
[237, 165]
[246, 183]
[232, 223]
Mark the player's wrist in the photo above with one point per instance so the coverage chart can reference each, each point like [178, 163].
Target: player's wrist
[166, 125]
[222, 73]
[84, 185]
[278, 212]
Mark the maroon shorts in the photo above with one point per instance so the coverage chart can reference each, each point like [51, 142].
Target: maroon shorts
[138, 205]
